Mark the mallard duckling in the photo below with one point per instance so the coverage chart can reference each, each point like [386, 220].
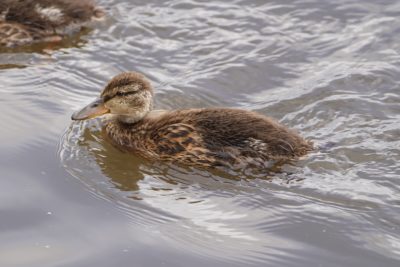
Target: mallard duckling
[208, 137]
[29, 21]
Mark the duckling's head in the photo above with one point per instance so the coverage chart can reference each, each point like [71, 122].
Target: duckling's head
[128, 97]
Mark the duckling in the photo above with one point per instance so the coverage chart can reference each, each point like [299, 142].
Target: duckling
[209, 137]
[28, 21]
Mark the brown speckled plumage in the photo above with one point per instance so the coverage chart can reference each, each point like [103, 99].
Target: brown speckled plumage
[210, 137]
[28, 21]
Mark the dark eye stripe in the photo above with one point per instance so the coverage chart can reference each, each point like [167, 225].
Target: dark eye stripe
[106, 98]
[125, 93]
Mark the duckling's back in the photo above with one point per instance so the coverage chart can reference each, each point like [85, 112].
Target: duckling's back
[243, 129]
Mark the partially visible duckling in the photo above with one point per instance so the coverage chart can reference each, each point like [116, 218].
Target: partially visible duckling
[29, 21]
[208, 137]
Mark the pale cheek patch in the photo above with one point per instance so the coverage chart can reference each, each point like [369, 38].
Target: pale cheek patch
[51, 13]
[115, 106]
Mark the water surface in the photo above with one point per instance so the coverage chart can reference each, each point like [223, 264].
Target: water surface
[327, 69]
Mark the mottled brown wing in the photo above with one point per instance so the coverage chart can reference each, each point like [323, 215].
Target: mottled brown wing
[13, 34]
[182, 142]
[252, 135]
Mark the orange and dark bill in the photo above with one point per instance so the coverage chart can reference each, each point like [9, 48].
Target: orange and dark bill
[93, 110]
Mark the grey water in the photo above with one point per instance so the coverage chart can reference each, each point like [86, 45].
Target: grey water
[329, 69]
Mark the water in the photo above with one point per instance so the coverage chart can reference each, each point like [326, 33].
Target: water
[328, 69]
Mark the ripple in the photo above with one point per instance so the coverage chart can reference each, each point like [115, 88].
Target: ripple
[327, 69]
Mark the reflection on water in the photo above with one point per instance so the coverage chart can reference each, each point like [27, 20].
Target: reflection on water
[46, 49]
[176, 191]
[75, 40]
[122, 168]
[327, 69]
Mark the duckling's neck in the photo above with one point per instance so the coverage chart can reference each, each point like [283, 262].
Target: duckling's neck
[135, 117]
[126, 132]
[125, 119]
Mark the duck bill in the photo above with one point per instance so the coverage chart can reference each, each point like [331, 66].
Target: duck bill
[93, 110]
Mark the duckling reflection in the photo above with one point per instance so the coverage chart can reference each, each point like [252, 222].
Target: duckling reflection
[123, 169]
